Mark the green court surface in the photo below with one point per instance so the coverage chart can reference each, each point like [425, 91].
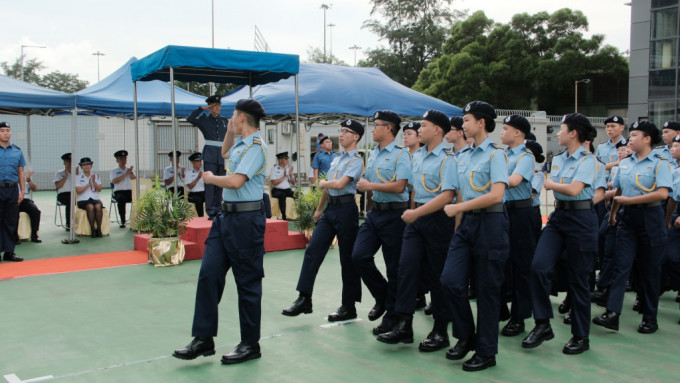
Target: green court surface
[122, 324]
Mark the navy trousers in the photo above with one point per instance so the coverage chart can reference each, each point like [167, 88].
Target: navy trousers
[576, 232]
[640, 235]
[607, 266]
[9, 218]
[427, 238]
[213, 194]
[381, 229]
[672, 253]
[235, 241]
[341, 220]
[481, 243]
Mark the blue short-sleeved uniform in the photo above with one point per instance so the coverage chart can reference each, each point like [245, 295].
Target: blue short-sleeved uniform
[322, 161]
[11, 159]
[606, 152]
[537, 181]
[236, 241]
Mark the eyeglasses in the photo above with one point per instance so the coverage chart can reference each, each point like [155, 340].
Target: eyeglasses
[376, 124]
[345, 131]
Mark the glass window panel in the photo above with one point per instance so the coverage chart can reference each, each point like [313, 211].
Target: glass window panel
[662, 111]
[664, 23]
[662, 84]
[663, 3]
[662, 54]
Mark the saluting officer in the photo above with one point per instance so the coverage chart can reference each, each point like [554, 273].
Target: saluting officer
[214, 128]
[388, 171]
[341, 218]
[236, 241]
[122, 186]
[572, 227]
[427, 234]
[642, 182]
[195, 183]
[12, 165]
[281, 177]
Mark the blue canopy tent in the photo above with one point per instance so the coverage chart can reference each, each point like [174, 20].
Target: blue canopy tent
[211, 65]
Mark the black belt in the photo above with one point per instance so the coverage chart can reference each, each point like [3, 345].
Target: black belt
[519, 204]
[574, 205]
[241, 207]
[642, 205]
[497, 208]
[8, 185]
[346, 198]
[383, 206]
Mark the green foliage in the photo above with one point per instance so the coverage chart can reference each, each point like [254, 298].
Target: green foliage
[315, 55]
[306, 202]
[63, 82]
[203, 89]
[161, 213]
[529, 63]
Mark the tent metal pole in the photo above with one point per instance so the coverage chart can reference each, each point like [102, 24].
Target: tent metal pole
[134, 92]
[72, 227]
[297, 127]
[28, 139]
[250, 84]
[174, 129]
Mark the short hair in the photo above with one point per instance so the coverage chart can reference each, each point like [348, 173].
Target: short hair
[251, 120]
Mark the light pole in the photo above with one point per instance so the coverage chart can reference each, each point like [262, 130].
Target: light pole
[355, 48]
[22, 56]
[98, 54]
[331, 25]
[324, 7]
[585, 81]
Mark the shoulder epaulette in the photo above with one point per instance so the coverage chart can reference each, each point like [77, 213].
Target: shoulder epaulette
[448, 152]
[600, 161]
[257, 140]
[16, 146]
[561, 152]
[660, 146]
[398, 146]
[358, 155]
[496, 145]
[659, 156]
[585, 152]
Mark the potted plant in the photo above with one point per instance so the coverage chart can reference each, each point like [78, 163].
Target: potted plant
[165, 216]
[306, 201]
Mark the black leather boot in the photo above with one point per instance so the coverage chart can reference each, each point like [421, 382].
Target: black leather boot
[303, 304]
[401, 333]
[437, 339]
[608, 320]
[199, 346]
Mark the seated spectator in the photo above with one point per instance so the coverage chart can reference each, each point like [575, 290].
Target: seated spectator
[62, 180]
[281, 178]
[122, 187]
[195, 184]
[169, 175]
[88, 186]
[28, 206]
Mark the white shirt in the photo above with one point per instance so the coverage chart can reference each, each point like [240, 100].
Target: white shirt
[27, 195]
[124, 184]
[58, 176]
[168, 173]
[191, 175]
[278, 172]
[82, 180]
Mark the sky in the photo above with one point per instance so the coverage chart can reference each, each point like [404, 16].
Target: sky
[72, 30]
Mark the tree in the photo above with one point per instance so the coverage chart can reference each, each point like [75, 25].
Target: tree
[315, 55]
[63, 82]
[415, 31]
[529, 63]
[31, 69]
[203, 89]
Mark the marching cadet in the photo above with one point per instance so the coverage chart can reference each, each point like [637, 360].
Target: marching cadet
[12, 165]
[572, 227]
[169, 174]
[480, 244]
[642, 182]
[195, 183]
[537, 181]
[281, 177]
[606, 151]
[411, 141]
[518, 202]
[457, 137]
[121, 178]
[214, 128]
[388, 171]
[236, 240]
[341, 218]
[426, 235]
[669, 131]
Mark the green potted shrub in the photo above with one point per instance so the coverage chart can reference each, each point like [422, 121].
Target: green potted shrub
[165, 216]
[306, 201]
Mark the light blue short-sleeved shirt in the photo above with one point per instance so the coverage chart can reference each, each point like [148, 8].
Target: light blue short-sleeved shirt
[389, 164]
[638, 177]
[322, 161]
[348, 164]
[248, 156]
[11, 159]
[537, 181]
[520, 161]
[581, 166]
[479, 168]
[662, 150]
[676, 185]
[606, 152]
[600, 176]
[433, 173]
[464, 150]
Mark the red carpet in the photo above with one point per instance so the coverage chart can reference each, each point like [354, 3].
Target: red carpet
[70, 264]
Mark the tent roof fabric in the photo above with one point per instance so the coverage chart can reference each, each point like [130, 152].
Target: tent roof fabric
[215, 65]
[16, 95]
[334, 89]
[114, 95]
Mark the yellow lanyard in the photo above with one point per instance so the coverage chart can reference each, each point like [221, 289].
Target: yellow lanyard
[394, 176]
[335, 176]
[483, 188]
[422, 178]
[229, 171]
[637, 180]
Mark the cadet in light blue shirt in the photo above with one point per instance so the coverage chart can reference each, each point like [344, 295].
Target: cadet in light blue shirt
[235, 241]
[642, 182]
[12, 190]
[323, 159]
[537, 181]
[606, 151]
[670, 130]
[340, 218]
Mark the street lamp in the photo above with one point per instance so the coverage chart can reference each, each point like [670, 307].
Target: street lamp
[585, 81]
[98, 54]
[331, 25]
[355, 48]
[324, 7]
[22, 57]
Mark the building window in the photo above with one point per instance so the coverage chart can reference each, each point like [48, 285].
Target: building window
[662, 84]
[665, 23]
[662, 111]
[663, 3]
[662, 54]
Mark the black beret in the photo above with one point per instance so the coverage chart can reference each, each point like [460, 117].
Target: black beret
[120, 153]
[250, 106]
[671, 125]
[580, 120]
[320, 135]
[4, 124]
[480, 108]
[676, 138]
[518, 122]
[536, 149]
[387, 115]
[438, 118]
[614, 119]
[282, 155]
[85, 161]
[66, 157]
[622, 142]
[178, 154]
[415, 125]
[195, 156]
[649, 128]
[324, 138]
[216, 99]
[530, 136]
[456, 122]
[356, 126]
